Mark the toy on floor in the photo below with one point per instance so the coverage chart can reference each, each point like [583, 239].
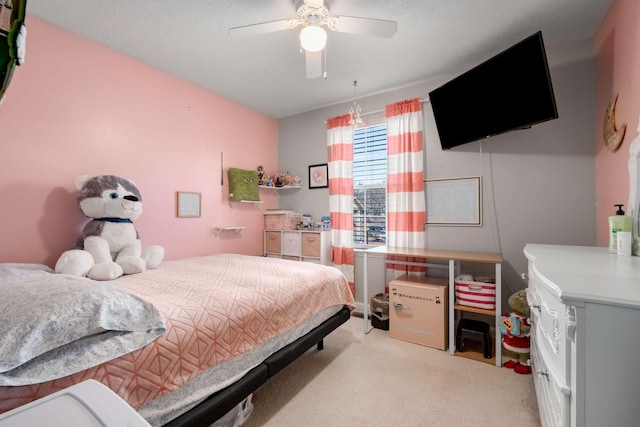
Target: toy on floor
[514, 328]
[109, 245]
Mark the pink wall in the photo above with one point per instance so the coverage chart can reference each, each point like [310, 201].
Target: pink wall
[76, 108]
[617, 44]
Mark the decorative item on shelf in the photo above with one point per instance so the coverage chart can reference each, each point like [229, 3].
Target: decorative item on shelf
[281, 180]
[262, 177]
[275, 178]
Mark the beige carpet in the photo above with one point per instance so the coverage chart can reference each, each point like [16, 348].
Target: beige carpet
[373, 380]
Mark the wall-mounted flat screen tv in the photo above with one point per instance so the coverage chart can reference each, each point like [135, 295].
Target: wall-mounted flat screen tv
[510, 91]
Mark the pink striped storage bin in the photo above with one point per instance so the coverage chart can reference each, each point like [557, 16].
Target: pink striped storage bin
[479, 292]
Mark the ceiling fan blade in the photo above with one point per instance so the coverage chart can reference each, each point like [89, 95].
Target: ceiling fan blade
[315, 62]
[263, 27]
[364, 26]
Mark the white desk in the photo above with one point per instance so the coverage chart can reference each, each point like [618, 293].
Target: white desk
[438, 255]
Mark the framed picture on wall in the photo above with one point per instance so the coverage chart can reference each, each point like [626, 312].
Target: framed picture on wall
[319, 176]
[188, 204]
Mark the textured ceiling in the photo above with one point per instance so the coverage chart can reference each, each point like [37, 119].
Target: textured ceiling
[435, 39]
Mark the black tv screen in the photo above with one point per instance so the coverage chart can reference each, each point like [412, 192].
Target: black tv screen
[510, 91]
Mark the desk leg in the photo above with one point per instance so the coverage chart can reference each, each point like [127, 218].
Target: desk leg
[452, 312]
[365, 292]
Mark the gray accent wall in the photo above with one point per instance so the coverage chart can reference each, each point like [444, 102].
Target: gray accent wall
[539, 183]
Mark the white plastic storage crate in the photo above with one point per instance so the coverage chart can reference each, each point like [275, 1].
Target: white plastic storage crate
[476, 291]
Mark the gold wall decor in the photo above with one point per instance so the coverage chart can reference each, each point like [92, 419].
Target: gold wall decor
[612, 137]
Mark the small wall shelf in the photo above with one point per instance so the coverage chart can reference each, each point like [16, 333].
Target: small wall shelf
[284, 187]
[218, 230]
[256, 203]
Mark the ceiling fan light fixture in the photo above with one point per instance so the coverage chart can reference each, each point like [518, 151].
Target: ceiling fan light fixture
[313, 38]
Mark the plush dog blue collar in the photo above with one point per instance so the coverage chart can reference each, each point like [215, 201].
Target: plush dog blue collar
[115, 220]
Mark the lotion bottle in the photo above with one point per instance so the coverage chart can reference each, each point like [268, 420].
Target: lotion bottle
[618, 222]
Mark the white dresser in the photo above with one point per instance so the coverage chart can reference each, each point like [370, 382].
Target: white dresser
[585, 338]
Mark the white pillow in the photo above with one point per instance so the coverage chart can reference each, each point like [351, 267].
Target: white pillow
[54, 325]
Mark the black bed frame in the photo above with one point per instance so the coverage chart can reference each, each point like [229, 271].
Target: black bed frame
[221, 402]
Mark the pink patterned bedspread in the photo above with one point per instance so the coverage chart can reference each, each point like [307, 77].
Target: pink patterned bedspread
[216, 307]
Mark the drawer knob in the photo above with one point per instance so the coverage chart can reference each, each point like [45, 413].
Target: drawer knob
[398, 305]
[544, 374]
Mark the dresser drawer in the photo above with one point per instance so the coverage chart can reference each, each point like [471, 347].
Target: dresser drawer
[553, 397]
[548, 314]
[311, 244]
[291, 243]
[273, 242]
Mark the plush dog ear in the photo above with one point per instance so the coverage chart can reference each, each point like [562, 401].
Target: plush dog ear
[81, 180]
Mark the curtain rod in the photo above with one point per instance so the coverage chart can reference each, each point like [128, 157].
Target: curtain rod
[423, 101]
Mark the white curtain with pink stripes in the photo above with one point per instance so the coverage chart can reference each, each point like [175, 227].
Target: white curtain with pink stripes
[340, 146]
[406, 215]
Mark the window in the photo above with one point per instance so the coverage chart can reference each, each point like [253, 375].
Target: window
[370, 185]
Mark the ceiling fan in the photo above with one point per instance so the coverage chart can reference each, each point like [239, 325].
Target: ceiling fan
[313, 15]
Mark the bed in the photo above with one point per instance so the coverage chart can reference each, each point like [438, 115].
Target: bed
[182, 344]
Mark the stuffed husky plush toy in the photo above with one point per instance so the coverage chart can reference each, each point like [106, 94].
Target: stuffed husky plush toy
[109, 245]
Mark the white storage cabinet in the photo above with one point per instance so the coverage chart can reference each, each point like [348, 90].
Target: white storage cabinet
[299, 245]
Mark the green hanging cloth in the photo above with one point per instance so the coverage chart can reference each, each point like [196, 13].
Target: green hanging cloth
[12, 39]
